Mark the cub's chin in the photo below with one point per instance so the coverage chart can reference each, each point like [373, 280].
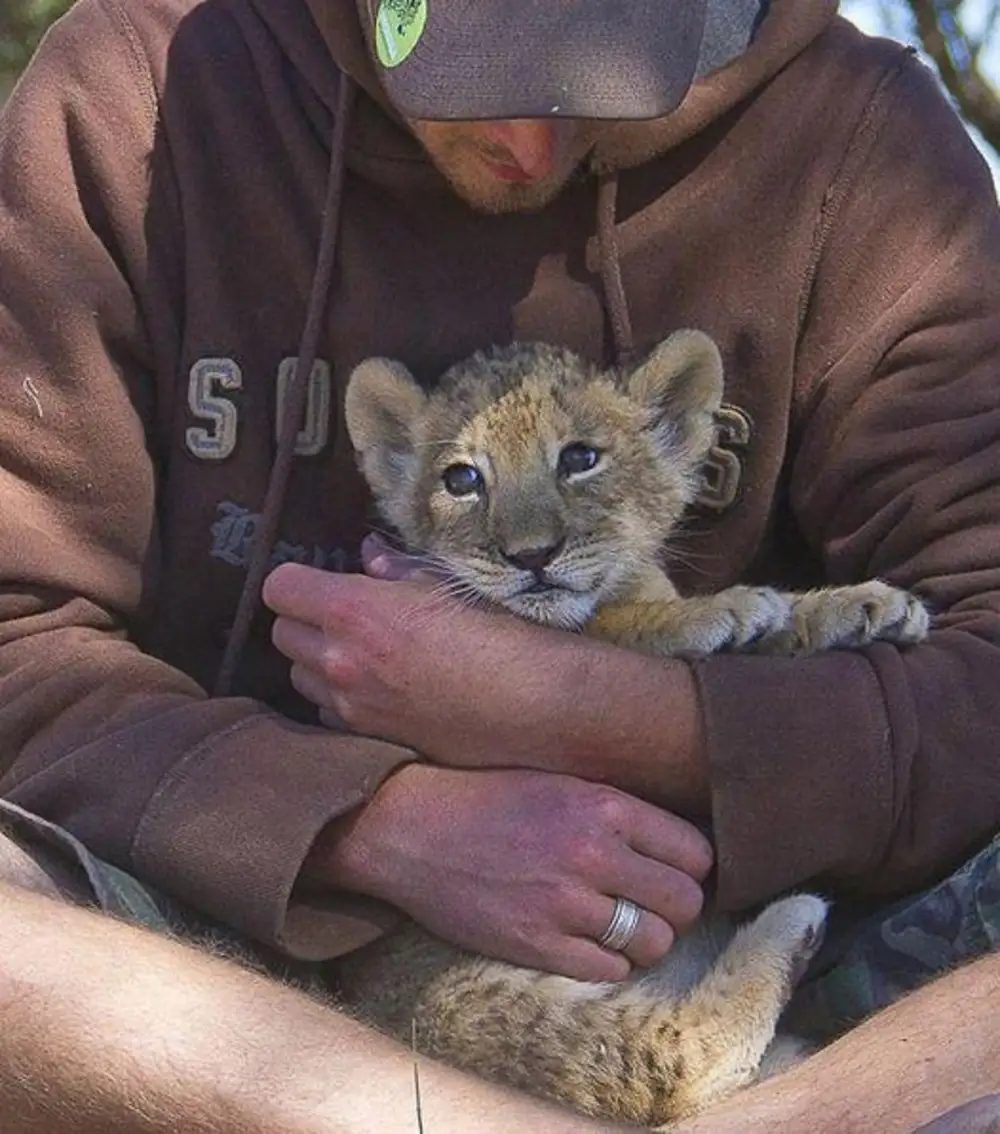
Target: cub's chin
[553, 606]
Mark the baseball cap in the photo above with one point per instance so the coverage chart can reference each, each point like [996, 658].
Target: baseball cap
[480, 59]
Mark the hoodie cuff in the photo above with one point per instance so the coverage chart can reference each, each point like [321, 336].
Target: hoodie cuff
[801, 770]
[229, 827]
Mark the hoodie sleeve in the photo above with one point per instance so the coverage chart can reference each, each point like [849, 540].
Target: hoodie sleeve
[215, 800]
[876, 772]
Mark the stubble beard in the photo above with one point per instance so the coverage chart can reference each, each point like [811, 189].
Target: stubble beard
[463, 165]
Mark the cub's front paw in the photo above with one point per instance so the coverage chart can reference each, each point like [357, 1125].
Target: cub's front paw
[748, 615]
[858, 615]
[739, 618]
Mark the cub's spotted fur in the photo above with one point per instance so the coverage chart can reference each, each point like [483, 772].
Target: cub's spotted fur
[549, 487]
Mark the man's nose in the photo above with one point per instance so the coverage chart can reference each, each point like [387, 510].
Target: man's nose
[532, 144]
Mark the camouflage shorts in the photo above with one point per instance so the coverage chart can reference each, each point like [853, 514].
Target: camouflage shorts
[865, 965]
[122, 896]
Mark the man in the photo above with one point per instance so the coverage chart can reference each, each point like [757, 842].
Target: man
[210, 212]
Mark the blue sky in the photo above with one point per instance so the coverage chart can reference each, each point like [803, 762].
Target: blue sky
[889, 17]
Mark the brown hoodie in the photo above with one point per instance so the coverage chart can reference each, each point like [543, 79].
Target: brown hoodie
[815, 206]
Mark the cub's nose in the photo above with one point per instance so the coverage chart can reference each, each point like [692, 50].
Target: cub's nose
[534, 559]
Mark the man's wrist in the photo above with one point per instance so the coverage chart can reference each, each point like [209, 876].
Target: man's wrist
[350, 853]
[638, 725]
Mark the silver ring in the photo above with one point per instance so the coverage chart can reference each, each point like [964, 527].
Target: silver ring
[624, 922]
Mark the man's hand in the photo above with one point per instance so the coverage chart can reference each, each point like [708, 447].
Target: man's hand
[383, 561]
[398, 658]
[524, 866]
[407, 663]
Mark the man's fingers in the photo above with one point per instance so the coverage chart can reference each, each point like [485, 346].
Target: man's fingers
[652, 940]
[300, 642]
[307, 594]
[665, 891]
[314, 687]
[583, 959]
[671, 840]
[313, 661]
[331, 719]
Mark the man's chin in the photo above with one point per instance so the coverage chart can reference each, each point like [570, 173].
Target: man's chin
[460, 153]
[487, 195]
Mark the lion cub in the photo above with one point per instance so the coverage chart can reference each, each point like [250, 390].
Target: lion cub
[547, 486]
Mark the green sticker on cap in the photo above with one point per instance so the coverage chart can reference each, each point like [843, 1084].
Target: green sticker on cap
[399, 25]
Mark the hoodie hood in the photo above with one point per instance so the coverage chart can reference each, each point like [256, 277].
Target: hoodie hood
[746, 43]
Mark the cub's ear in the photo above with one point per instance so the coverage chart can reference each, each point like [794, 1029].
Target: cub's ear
[681, 384]
[382, 405]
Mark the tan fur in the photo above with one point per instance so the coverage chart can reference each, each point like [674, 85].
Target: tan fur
[702, 1023]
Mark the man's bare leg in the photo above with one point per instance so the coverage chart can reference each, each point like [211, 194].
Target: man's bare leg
[931, 1052]
[109, 1029]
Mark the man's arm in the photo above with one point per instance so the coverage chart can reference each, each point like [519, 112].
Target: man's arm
[877, 769]
[473, 688]
[217, 801]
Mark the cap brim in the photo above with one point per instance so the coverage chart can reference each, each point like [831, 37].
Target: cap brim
[483, 59]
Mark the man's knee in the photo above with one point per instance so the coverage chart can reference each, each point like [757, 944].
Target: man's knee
[981, 1116]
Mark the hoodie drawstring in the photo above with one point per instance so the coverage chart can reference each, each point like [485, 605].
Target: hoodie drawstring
[611, 269]
[296, 395]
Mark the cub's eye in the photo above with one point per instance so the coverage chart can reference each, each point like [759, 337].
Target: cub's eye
[462, 480]
[577, 459]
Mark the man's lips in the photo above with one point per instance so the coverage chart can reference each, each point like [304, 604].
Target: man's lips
[508, 172]
[523, 151]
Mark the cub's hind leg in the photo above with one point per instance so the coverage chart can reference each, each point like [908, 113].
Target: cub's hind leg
[625, 1052]
[727, 1024]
